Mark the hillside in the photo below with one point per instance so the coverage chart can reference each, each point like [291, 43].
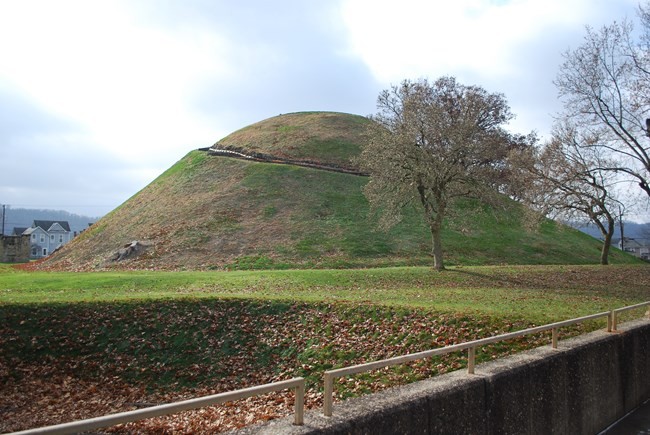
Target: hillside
[220, 212]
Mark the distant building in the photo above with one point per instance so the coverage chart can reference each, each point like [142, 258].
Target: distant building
[14, 249]
[18, 231]
[637, 247]
[47, 236]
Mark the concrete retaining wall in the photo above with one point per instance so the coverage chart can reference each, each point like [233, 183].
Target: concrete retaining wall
[581, 388]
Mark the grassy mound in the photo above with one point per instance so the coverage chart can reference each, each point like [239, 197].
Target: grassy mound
[218, 212]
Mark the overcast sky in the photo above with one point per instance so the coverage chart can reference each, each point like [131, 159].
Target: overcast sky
[97, 98]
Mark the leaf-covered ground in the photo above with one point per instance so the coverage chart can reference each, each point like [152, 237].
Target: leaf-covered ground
[59, 363]
[74, 346]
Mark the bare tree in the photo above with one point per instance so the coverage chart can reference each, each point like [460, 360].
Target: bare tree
[564, 179]
[605, 86]
[432, 143]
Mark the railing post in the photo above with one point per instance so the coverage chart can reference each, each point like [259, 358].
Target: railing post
[299, 406]
[614, 320]
[471, 360]
[328, 391]
[610, 321]
[554, 338]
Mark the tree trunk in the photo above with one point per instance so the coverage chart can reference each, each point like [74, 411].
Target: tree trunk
[604, 253]
[435, 225]
[436, 249]
[434, 219]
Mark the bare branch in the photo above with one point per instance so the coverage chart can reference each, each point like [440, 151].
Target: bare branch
[605, 86]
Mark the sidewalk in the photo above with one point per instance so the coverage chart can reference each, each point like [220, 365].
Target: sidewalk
[636, 423]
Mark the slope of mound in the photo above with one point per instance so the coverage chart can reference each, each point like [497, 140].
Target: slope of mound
[219, 212]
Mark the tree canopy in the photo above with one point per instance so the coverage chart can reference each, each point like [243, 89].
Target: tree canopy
[432, 143]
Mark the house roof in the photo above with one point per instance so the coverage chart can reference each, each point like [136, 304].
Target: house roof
[18, 231]
[31, 230]
[633, 243]
[46, 225]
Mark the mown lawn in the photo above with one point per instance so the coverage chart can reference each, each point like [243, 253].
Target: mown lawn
[536, 293]
[84, 344]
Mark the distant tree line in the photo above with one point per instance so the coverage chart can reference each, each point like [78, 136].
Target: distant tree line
[632, 230]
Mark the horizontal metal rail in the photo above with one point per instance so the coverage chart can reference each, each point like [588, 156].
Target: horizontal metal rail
[297, 384]
[628, 308]
[330, 375]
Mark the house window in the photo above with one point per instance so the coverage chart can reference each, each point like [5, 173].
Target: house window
[42, 238]
[60, 238]
[33, 252]
[51, 237]
[34, 237]
[44, 252]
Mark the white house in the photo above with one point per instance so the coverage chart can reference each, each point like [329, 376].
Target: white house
[47, 236]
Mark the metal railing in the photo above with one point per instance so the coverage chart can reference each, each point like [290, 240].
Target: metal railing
[470, 346]
[297, 384]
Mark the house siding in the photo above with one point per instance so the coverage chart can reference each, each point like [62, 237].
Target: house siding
[45, 241]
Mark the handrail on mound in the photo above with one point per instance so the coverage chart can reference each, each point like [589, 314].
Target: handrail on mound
[330, 375]
[297, 384]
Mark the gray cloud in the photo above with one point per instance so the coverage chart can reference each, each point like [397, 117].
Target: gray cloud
[302, 63]
[20, 117]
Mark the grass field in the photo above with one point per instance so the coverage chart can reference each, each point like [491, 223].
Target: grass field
[537, 293]
[85, 344]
